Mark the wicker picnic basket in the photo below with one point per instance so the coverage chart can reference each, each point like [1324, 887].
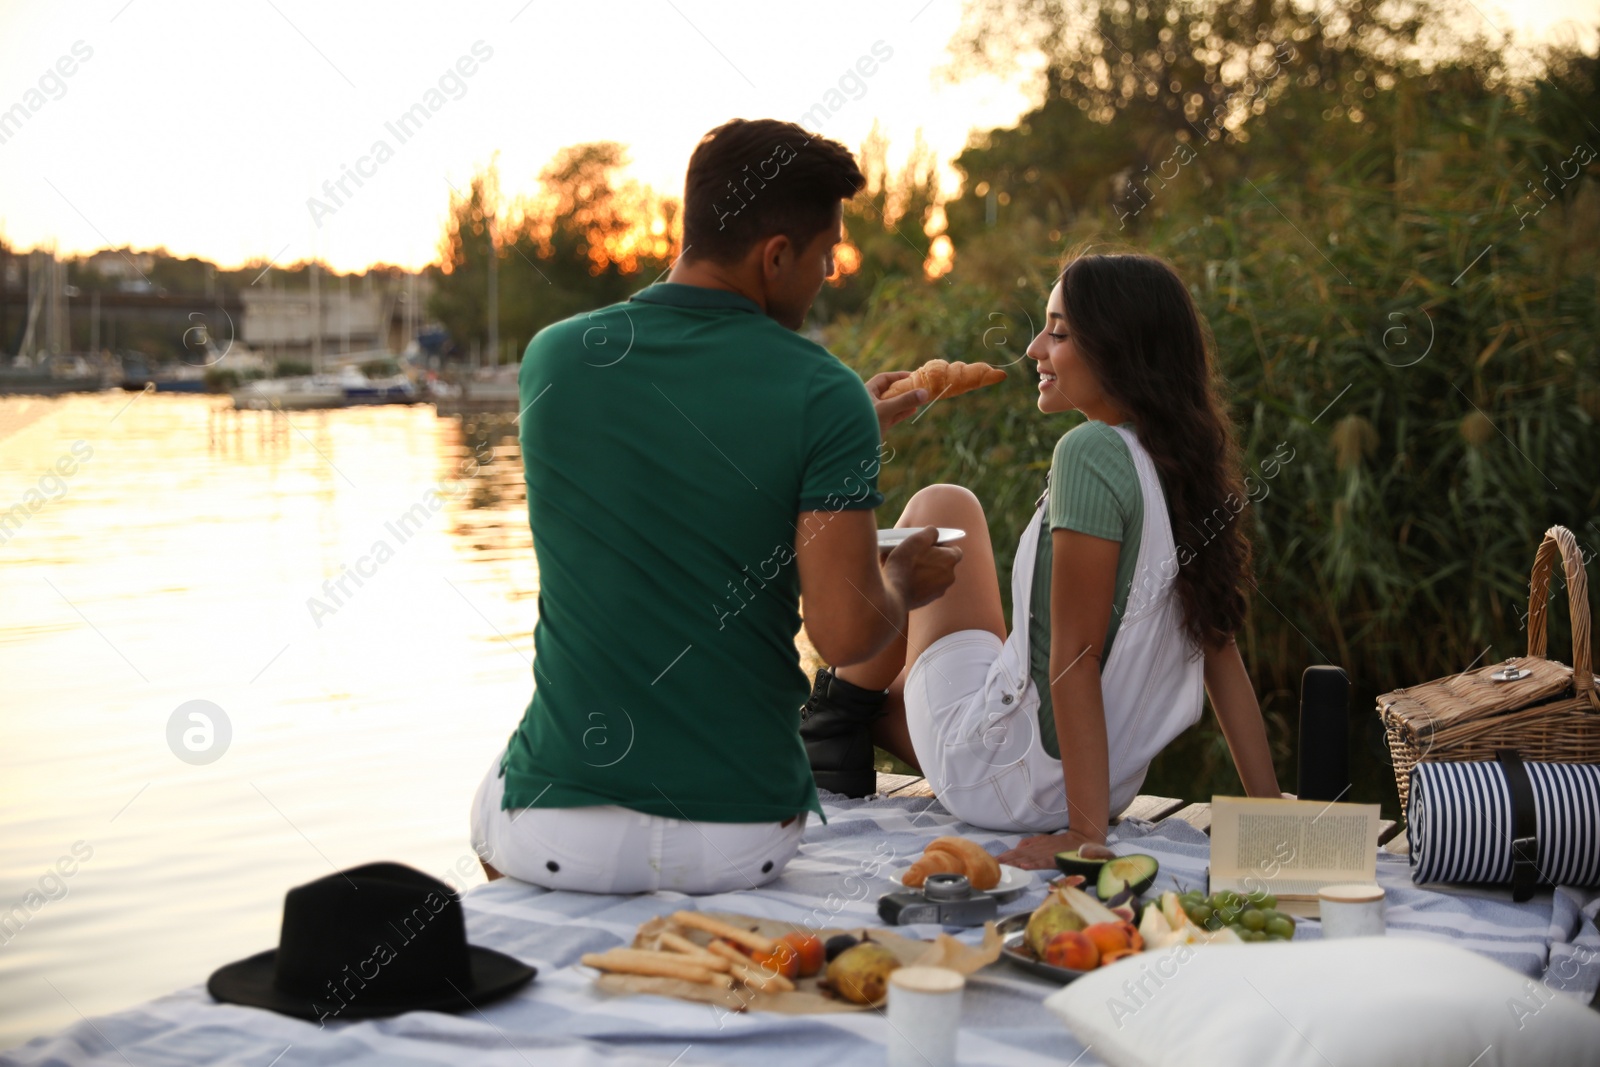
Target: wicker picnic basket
[1547, 711]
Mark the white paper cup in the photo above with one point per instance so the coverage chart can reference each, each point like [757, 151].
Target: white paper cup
[924, 1014]
[1354, 910]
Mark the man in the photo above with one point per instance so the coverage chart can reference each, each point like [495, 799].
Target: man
[694, 467]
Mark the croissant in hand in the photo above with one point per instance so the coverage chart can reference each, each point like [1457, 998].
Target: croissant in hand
[954, 855]
[943, 379]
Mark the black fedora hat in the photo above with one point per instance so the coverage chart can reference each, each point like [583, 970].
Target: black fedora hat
[369, 942]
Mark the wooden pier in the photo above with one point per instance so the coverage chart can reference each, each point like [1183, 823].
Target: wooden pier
[1149, 808]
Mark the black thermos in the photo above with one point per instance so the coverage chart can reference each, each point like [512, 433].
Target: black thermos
[1324, 734]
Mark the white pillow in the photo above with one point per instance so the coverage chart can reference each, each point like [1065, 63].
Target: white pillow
[1372, 1001]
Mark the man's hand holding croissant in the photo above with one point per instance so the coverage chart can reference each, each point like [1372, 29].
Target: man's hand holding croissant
[897, 394]
[897, 408]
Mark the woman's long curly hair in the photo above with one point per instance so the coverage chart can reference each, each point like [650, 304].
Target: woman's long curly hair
[1135, 324]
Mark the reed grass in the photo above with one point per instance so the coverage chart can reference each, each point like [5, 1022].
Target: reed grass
[1442, 412]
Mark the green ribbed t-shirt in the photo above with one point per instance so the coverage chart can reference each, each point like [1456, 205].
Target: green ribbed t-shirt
[1094, 489]
[683, 434]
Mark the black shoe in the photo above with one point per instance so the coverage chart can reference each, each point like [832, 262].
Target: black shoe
[836, 725]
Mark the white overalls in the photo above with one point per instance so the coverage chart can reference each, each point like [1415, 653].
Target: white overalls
[973, 710]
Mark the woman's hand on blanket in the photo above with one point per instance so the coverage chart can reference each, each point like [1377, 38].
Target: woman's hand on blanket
[893, 411]
[1038, 853]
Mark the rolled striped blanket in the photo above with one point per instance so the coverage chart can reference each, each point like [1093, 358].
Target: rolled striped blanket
[1459, 821]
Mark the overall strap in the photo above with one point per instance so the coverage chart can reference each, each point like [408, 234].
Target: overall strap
[1013, 662]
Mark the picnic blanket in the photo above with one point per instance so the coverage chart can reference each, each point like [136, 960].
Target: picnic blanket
[561, 1020]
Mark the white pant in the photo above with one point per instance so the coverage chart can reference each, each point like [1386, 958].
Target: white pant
[610, 849]
[979, 750]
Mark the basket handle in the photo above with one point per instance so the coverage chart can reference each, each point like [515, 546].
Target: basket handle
[1559, 538]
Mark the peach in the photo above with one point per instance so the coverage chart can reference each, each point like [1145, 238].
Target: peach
[784, 959]
[809, 948]
[1073, 950]
[1114, 937]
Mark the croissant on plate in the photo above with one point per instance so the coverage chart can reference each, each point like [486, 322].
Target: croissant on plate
[942, 379]
[954, 855]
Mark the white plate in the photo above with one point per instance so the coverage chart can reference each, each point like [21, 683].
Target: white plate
[1012, 880]
[888, 539]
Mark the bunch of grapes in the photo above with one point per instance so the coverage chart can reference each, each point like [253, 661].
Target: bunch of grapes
[1254, 916]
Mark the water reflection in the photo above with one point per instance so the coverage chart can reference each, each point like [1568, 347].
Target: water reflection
[355, 590]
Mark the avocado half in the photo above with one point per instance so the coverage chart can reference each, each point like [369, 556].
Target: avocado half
[1072, 863]
[1131, 874]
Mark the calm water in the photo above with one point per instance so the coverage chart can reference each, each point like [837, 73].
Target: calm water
[176, 564]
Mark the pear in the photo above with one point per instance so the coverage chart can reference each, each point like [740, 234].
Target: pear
[1051, 918]
[1172, 910]
[1154, 927]
[860, 974]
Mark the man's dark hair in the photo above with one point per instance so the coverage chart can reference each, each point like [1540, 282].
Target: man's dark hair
[750, 179]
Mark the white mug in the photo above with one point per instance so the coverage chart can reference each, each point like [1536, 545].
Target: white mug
[924, 1014]
[1354, 910]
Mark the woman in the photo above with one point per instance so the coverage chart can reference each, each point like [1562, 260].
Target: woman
[1116, 627]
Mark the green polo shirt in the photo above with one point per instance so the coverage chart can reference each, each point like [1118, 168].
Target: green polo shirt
[669, 444]
[1094, 489]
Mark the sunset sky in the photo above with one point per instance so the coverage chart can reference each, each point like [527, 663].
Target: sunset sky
[207, 127]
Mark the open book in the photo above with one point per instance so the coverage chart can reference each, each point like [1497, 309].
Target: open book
[1291, 848]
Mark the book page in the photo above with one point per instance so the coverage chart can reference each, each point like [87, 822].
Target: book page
[1291, 848]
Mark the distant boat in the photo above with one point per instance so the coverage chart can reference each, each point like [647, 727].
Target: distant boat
[349, 388]
[360, 389]
[290, 394]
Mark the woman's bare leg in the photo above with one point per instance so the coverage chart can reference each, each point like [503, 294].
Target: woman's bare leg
[890, 733]
[973, 600]
[971, 603]
[882, 669]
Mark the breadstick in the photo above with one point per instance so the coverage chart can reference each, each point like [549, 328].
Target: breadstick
[672, 942]
[666, 967]
[728, 953]
[708, 963]
[717, 928]
[761, 981]
[662, 964]
[746, 971]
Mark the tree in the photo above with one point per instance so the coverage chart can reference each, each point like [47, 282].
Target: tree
[461, 281]
[885, 225]
[586, 238]
[1136, 91]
